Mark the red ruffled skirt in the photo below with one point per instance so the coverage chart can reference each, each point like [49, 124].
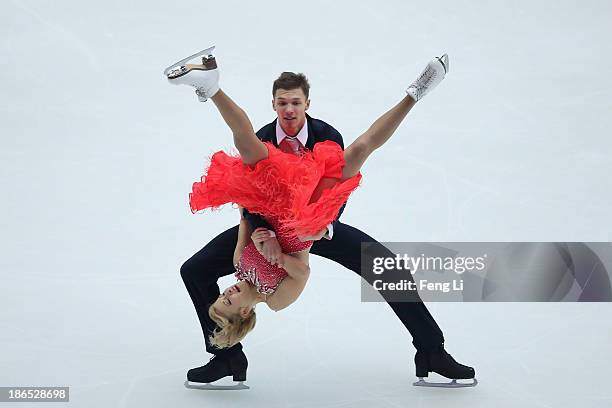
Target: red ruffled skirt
[280, 186]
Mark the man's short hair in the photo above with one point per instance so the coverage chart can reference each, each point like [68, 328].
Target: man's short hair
[291, 80]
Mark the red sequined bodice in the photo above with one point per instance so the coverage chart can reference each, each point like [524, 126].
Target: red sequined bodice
[256, 270]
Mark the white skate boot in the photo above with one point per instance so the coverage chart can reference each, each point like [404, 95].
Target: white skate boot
[203, 77]
[431, 76]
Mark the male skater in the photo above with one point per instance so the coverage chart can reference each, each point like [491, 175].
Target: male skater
[293, 131]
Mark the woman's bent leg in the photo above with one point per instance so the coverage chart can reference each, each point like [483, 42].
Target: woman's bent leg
[250, 147]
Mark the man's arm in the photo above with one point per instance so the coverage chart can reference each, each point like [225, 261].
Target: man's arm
[328, 232]
[323, 131]
[330, 228]
[256, 221]
[336, 137]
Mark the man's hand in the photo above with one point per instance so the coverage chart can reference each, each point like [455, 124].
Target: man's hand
[315, 237]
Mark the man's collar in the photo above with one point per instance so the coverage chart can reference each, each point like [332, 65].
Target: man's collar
[302, 135]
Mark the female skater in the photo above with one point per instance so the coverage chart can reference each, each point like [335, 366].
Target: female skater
[298, 195]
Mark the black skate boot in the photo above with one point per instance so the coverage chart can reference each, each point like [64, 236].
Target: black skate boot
[218, 367]
[440, 362]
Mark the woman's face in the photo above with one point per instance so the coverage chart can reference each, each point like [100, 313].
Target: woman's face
[235, 300]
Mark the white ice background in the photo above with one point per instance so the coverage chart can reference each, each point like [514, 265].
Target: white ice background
[98, 154]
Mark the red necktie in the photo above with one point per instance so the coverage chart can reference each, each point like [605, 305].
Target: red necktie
[291, 145]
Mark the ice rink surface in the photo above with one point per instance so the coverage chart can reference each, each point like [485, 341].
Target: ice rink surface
[99, 152]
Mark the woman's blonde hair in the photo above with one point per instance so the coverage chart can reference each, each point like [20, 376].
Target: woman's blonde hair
[230, 331]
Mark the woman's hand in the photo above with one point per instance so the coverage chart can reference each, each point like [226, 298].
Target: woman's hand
[259, 236]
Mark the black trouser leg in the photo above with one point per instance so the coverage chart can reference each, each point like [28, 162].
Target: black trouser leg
[200, 274]
[345, 249]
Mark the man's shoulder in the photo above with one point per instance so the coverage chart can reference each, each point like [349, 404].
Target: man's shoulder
[318, 124]
[267, 131]
[321, 131]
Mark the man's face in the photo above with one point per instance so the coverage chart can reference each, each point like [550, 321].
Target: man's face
[290, 106]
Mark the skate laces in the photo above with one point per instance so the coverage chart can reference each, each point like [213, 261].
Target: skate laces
[177, 72]
[421, 83]
[201, 92]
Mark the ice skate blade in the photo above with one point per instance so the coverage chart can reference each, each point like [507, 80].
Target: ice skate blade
[207, 52]
[452, 384]
[212, 387]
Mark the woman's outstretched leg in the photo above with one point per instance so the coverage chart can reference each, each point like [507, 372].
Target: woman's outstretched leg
[357, 153]
[250, 147]
[205, 79]
[382, 129]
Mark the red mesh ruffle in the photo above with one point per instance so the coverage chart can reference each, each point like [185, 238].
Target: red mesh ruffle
[280, 186]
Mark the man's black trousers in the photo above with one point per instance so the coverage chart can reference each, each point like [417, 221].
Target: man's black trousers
[201, 272]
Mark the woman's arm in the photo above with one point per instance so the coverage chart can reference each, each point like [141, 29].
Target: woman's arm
[244, 237]
[292, 286]
[296, 265]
